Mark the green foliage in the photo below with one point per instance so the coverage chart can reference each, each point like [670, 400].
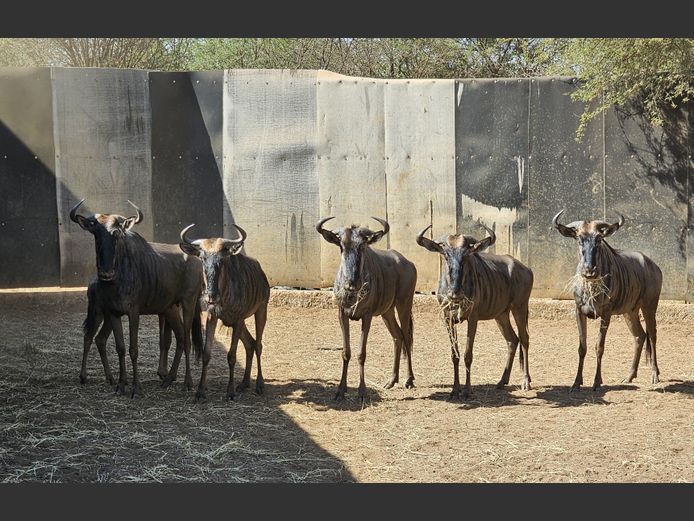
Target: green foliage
[659, 72]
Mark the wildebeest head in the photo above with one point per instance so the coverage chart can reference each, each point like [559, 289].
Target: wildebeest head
[109, 233]
[589, 235]
[212, 252]
[352, 240]
[456, 251]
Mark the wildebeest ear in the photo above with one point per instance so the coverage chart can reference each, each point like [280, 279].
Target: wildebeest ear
[374, 237]
[482, 245]
[235, 249]
[608, 229]
[84, 223]
[129, 223]
[328, 235]
[190, 249]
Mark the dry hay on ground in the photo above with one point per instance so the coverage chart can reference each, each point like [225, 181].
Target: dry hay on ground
[54, 429]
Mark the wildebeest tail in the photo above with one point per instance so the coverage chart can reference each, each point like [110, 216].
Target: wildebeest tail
[647, 354]
[410, 339]
[197, 331]
[89, 325]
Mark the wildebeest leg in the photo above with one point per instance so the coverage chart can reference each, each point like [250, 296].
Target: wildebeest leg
[521, 316]
[101, 340]
[582, 323]
[88, 338]
[164, 346]
[599, 350]
[634, 325]
[471, 330]
[231, 357]
[455, 357]
[210, 329]
[405, 315]
[134, 326]
[365, 326]
[188, 309]
[346, 354]
[395, 332]
[117, 326]
[172, 318]
[260, 321]
[249, 345]
[651, 331]
[504, 323]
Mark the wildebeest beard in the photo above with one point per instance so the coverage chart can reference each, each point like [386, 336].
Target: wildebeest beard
[350, 299]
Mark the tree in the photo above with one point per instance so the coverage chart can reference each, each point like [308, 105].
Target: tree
[658, 72]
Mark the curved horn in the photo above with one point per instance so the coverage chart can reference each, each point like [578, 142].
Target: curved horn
[139, 212]
[319, 225]
[555, 220]
[183, 234]
[426, 242]
[386, 226]
[492, 235]
[73, 211]
[621, 219]
[237, 241]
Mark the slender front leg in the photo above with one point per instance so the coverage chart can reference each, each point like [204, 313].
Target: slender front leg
[210, 329]
[249, 345]
[582, 323]
[634, 324]
[260, 321]
[101, 340]
[651, 331]
[599, 350]
[471, 330]
[365, 326]
[455, 357]
[346, 354]
[231, 357]
[396, 333]
[117, 326]
[134, 326]
[88, 338]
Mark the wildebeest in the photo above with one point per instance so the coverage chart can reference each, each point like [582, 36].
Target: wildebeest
[235, 289]
[371, 283]
[136, 278]
[95, 317]
[481, 286]
[612, 282]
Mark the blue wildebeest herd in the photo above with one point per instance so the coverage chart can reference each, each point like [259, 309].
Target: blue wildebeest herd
[178, 282]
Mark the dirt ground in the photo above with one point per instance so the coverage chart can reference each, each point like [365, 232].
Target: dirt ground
[54, 429]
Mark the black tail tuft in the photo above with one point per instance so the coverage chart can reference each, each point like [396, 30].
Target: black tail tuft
[90, 323]
[197, 332]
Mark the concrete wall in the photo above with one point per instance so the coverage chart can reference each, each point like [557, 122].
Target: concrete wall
[275, 150]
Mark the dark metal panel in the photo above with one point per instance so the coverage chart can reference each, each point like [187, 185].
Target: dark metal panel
[564, 174]
[102, 124]
[491, 128]
[646, 172]
[29, 252]
[187, 153]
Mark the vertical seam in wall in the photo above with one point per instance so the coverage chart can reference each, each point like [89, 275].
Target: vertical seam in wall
[528, 176]
[604, 165]
[688, 231]
[385, 148]
[56, 174]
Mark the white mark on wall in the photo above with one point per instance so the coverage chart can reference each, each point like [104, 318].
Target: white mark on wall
[520, 166]
[460, 93]
[501, 220]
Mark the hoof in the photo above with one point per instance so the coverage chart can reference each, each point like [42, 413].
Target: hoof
[525, 386]
[259, 386]
[596, 386]
[575, 387]
[501, 384]
[340, 395]
[188, 384]
[231, 396]
[466, 394]
[390, 383]
[409, 384]
[362, 394]
[655, 378]
[120, 389]
[243, 385]
[629, 379]
[455, 395]
[135, 392]
[200, 396]
[83, 379]
[162, 376]
[110, 380]
[166, 383]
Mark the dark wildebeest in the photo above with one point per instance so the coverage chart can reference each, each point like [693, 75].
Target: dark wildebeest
[612, 282]
[371, 283]
[140, 278]
[235, 289]
[95, 317]
[482, 286]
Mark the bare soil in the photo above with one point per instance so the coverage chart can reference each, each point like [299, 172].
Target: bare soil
[54, 429]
